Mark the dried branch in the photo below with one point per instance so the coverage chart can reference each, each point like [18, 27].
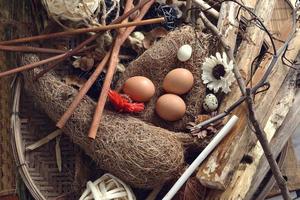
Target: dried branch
[281, 182]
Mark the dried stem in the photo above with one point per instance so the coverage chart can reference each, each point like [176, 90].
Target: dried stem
[111, 69]
[265, 145]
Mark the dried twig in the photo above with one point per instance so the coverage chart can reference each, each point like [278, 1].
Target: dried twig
[281, 182]
[31, 65]
[52, 66]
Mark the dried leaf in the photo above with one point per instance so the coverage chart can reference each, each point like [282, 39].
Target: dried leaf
[201, 135]
[44, 140]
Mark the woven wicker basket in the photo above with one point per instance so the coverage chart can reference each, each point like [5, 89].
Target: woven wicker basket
[38, 168]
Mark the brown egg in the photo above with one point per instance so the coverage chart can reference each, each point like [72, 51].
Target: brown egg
[178, 81]
[139, 88]
[170, 107]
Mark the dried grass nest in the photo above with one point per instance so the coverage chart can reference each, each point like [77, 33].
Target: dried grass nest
[133, 148]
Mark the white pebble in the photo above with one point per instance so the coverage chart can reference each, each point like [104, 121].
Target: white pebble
[210, 103]
[184, 53]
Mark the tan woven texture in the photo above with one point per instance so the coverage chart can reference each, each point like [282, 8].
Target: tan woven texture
[41, 162]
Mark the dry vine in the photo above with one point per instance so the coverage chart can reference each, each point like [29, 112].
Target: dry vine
[249, 93]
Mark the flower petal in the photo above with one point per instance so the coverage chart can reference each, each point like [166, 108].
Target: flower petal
[224, 57]
[219, 57]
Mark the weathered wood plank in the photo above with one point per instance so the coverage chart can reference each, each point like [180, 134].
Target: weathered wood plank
[248, 176]
[283, 134]
[290, 169]
[218, 168]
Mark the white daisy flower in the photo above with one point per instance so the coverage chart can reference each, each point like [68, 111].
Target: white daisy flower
[217, 73]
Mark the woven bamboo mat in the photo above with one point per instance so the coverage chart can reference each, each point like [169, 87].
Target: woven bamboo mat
[15, 17]
[38, 167]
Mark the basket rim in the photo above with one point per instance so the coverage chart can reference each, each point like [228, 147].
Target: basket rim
[16, 141]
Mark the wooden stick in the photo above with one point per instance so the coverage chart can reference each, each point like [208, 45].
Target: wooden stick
[85, 88]
[82, 92]
[109, 75]
[151, 21]
[79, 31]
[73, 51]
[42, 62]
[61, 57]
[31, 65]
[31, 49]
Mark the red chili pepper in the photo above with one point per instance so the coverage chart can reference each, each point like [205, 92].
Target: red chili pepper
[122, 104]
